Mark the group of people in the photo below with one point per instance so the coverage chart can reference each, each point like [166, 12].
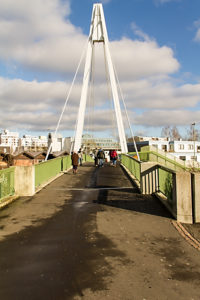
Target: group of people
[99, 158]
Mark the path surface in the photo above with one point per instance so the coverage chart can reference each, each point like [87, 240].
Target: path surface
[80, 239]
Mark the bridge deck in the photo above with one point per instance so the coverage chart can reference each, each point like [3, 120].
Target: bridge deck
[93, 236]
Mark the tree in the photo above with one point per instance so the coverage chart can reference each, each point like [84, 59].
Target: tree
[171, 132]
[192, 134]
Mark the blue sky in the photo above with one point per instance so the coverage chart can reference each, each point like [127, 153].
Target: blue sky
[155, 45]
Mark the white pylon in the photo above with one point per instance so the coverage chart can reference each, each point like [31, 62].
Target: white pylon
[98, 33]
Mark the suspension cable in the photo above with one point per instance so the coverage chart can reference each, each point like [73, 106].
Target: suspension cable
[113, 119]
[126, 112]
[69, 93]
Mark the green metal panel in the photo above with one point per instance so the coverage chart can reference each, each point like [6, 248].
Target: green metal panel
[166, 183]
[88, 158]
[47, 170]
[132, 165]
[67, 162]
[7, 182]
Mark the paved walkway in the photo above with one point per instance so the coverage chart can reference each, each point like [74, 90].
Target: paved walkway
[82, 237]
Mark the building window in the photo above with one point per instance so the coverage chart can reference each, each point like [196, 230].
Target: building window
[194, 158]
[198, 148]
[190, 147]
[181, 146]
[182, 157]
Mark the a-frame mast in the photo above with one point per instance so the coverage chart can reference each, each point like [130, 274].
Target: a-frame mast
[98, 33]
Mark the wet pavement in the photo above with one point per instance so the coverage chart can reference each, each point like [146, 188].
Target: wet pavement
[93, 236]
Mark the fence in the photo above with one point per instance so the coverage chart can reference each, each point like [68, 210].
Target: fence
[178, 191]
[132, 164]
[49, 169]
[7, 182]
[160, 180]
[153, 154]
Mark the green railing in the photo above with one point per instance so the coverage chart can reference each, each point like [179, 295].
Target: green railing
[7, 182]
[88, 158]
[49, 169]
[132, 164]
[165, 180]
[161, 159]
[156, 179]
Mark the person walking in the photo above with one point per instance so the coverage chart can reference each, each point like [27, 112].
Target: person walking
[75, 159]
[80, 155]
[95, 157]
[114, 157]
[101, 157]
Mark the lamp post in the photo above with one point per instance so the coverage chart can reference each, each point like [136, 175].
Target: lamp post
[193, 134]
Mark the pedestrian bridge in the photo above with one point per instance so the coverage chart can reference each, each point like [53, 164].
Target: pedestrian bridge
[92, 235]
[176, 187]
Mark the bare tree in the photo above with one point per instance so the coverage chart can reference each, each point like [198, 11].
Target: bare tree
[171, 132]
[192, 134]
[175, 135]
[165, 132]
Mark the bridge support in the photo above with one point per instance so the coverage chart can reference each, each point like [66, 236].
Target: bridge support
[98, 34]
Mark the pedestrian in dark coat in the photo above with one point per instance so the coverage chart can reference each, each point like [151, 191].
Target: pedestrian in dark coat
[75, 159]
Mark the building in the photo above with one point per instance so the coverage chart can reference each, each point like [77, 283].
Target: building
[90, 142]
[28, 158]
[28, 142]
[56, 142]
[9, 140]
[185, 150]
[157, 142]
[188, 151]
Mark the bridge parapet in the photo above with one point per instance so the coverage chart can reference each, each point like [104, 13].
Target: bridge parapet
[27, 180]
[178, 190]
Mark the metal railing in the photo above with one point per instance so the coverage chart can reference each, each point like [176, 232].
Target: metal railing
[155, 179]
[51, 168]
[152, 154]
[132, 164]
[7, 182]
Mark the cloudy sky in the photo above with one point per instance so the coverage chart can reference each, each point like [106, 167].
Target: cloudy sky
[155, 46]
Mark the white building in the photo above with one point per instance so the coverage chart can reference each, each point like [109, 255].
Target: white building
[29, 141]
[9, 139]
[157, 142]
[188, 151]
[185, 150]
[56, 142]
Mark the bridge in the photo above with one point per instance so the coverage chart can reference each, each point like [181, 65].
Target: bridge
[104, 233]
[93, 235]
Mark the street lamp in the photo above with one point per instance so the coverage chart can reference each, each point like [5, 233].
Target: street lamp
[193, 134]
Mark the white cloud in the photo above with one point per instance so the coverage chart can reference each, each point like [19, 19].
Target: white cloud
[165, 1]
[37, 105]
[159, 118]
[39, 36]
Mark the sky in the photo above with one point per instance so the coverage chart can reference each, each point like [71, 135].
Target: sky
[155, 47]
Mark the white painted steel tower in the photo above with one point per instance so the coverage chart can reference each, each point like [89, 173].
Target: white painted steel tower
[98, 34]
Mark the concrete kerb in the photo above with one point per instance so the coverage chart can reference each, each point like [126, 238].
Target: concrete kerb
[6, 201]
[186, 235]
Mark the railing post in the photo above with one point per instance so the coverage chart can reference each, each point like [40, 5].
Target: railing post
[183, 197]
[196, 196]
[24, 180]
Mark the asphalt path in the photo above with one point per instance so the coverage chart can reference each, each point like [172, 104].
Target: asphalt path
[93, 236]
